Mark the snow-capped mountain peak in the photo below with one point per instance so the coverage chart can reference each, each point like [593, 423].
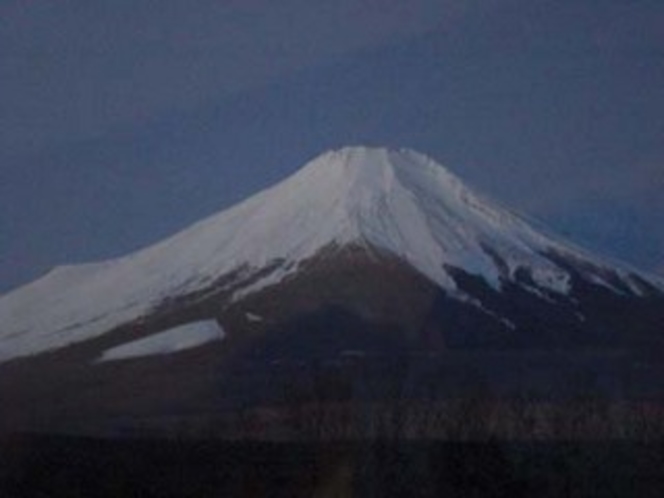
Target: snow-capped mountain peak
[406, 204]
[397, 202]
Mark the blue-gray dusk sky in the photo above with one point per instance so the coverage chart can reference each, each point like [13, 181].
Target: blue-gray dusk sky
[124, 121]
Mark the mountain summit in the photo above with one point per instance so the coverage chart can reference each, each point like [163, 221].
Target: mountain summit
[344, 212]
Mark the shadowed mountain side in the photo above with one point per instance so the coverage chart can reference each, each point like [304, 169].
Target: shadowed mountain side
[354, 316]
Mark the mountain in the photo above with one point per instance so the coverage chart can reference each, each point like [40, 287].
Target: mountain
[396, 206]
[362, 251]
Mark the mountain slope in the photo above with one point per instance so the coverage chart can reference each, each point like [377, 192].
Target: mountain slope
[392, 205]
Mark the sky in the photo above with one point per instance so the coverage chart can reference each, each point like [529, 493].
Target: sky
[123, 122]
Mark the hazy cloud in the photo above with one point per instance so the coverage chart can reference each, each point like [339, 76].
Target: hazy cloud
[641, 183]
[77, 68]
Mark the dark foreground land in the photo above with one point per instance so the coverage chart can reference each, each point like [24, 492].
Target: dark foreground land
[56, 466]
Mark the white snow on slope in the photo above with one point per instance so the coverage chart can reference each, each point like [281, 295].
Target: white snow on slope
[171, 341]
[399, 201]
